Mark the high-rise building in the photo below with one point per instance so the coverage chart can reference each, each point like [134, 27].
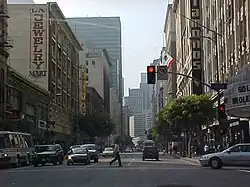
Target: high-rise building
[46, 52]
[103, 33]
[168, 56]
[99, 63]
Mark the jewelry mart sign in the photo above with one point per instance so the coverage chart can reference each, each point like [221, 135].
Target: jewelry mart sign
[196, 35]
[38, 43]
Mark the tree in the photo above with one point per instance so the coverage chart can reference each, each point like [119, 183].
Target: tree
[187, 114]
[124, 140]
[96, 125]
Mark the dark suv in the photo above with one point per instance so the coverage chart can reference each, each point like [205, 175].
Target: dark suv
[48, 154]
[150, 153]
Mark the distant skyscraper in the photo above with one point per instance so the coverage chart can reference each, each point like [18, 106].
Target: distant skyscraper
[143, 77]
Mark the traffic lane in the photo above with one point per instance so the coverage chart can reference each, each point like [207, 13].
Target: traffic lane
[134, 176]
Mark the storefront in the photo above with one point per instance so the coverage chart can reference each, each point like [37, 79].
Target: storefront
[237, 105]
[26, 106]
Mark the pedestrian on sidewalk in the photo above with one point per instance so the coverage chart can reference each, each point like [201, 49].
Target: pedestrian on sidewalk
[117, 155]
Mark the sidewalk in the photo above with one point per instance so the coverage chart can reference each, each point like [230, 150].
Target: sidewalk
[193, 160]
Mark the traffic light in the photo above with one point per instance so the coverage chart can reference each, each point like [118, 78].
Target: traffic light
[151, 74]
[222, 112]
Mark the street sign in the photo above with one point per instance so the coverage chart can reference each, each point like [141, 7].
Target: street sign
[162, 73]
[219, 86]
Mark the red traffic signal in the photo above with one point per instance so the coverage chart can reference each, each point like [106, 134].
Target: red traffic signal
[151, 69]
[151, 75]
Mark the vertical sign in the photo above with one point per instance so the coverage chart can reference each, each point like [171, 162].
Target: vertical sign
[38, 66]
[196, 35]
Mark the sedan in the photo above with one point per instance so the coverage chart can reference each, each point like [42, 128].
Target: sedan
[108, 152]
[237, 155]
[78, 155]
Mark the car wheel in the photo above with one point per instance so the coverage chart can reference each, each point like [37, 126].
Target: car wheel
[61, 160]
[69, 163]
[96, 160]
[157, 159]
[43, 164]
[55, 163]
[143, 158]
[35, 165]
[215, 163]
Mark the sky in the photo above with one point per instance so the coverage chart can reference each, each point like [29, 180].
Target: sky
[142, 29]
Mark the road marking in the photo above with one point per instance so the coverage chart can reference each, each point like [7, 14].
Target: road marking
[246, 171]
[131, 162]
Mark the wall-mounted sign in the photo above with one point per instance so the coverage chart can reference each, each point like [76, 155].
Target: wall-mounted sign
[237, 95]
[38, 42]
[94, 53]
[196, 39]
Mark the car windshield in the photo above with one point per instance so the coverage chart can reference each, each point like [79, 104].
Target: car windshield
[90, 147]
[40, 149]
[108, 149]
[79, 150]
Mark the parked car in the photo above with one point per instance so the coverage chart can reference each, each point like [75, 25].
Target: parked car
[93, 151]
[237, 155]
[78, 155]
[108, 152]
[48, 154]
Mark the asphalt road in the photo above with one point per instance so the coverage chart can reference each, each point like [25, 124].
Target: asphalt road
[134, 173]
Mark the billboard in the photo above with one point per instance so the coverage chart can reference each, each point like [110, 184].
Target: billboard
[196, 46]
[38, 66]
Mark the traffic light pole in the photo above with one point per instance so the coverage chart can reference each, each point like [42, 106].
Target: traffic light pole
[205, 84]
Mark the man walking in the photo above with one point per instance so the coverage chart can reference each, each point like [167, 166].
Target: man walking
[117, 156]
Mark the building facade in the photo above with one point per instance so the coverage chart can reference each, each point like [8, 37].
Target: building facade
[125, 120]
[94, 102]
[98, 64]
[27, 107]
[227, 52]
[188, 46]
[5, 45]
[115, 110]
[47, 53]
[169, 50]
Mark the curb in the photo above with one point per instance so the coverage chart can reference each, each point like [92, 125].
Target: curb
[191, 160]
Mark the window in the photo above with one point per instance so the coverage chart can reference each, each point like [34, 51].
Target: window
[43, 111]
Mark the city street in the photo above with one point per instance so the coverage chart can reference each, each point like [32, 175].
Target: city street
[134, 173]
